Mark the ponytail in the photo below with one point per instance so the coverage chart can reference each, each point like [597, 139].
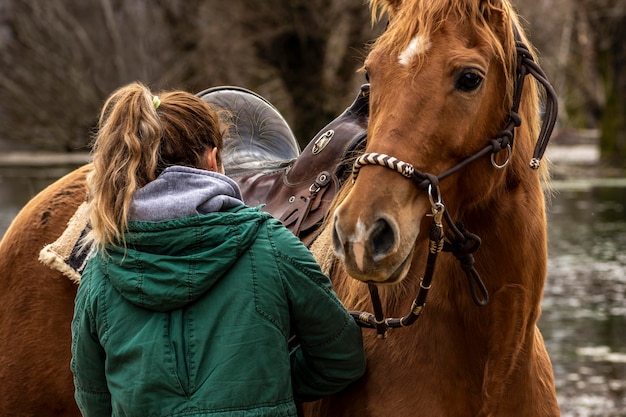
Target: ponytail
[139, 135]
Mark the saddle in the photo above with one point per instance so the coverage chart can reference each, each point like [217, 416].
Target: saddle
[262, 155]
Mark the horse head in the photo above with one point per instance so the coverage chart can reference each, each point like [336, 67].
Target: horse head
[442, 80]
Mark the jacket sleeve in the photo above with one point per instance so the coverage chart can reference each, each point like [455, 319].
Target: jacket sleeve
[330, 355]
[88, 358]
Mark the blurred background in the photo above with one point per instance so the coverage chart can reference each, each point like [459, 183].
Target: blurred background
[60, 59]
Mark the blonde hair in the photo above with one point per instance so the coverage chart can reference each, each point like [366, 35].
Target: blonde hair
[138, 137]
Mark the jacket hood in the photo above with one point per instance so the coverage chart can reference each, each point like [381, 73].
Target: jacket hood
[167, 265]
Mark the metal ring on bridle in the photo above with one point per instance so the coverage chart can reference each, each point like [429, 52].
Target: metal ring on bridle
[506, 162]
[436, 205]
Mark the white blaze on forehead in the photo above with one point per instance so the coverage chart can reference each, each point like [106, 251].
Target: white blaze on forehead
[417, 46]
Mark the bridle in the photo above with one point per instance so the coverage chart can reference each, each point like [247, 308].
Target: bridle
[462, 244]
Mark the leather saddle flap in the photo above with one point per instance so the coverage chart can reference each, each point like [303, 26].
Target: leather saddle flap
[302, 198]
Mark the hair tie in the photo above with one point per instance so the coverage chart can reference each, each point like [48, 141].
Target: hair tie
[156, 101]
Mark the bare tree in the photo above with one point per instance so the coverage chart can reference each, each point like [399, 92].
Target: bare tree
[608, 20]
[315, 47]
[66, 56]
[63, 57]
[583, 51]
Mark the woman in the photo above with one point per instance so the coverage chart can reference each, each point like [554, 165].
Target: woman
[187, 305]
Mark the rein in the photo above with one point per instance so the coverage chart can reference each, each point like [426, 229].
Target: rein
[463, 243]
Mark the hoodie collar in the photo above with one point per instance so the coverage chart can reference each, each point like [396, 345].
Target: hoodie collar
[182, 192]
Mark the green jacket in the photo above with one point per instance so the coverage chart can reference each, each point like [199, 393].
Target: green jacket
[193, 319]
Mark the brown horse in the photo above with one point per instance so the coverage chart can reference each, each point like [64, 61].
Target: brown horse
[443, 82]
[36, 307]
[446, 92]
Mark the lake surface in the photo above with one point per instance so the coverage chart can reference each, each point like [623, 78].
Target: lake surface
[584, 307]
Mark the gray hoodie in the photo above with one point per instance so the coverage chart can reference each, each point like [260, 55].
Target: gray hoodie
[183, 191]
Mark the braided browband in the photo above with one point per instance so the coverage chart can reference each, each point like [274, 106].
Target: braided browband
[403, 168]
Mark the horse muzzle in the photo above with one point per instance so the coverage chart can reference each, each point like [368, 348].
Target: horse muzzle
[371, 252]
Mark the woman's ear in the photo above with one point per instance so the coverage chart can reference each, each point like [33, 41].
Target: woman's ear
[211, 160]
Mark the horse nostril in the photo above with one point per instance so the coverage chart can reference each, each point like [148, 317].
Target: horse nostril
[382, 238]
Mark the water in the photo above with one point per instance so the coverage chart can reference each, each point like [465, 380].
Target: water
[584, 308]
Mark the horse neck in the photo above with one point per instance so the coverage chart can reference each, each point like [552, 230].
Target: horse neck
[511, 224]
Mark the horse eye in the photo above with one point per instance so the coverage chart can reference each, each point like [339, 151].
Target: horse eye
[469, 81]
[367, 76]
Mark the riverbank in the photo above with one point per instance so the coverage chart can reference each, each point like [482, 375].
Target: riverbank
[580, 161]
[576, 155]
[48, 166]
[39, 159]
